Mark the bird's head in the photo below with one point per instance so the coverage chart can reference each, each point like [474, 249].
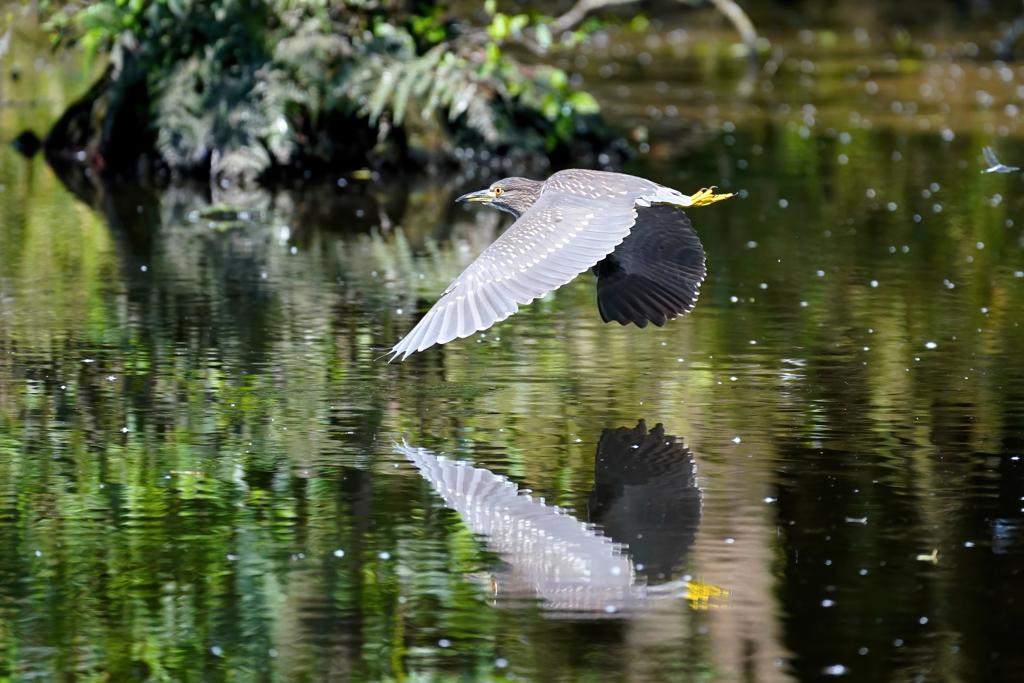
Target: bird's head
[514, 195]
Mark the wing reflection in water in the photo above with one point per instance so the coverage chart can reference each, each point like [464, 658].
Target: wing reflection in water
[573, 568]
[645, 495]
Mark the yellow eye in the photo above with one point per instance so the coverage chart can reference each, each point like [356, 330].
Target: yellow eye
[497, 192]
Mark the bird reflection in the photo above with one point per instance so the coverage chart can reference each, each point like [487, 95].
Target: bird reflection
[645, 497]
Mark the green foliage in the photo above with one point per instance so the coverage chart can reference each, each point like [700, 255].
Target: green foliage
[271, 74]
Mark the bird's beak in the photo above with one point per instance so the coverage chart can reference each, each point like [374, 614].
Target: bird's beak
[484, 196]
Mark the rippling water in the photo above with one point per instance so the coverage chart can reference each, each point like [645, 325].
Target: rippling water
[205, 475]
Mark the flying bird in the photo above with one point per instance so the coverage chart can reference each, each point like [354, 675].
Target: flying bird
[647, 257]
[993, 163]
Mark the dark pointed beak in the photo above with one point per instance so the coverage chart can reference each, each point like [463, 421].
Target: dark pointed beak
[485, 196]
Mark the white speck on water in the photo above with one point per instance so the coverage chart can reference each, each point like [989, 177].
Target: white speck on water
[783, 203]
[969, 544]
[835, 670]
[217, 652]
[339, 553]
[398, 311]
[845, 138]
[111, 378]
[272, 652]
[867, 348]
[444, 642]
[385, 555]
[863, 572]
[820, 273]
[579, 440]
[737, 440]
[402, 599]
[500, 663]
[923, 620]
[980, 245]
[144, 269]
[733, 378]
[874, 283]
[764, 285]
[734, 299]
[295, 250]
[263, 275]
[827, 603]
[803, 304]
[616, 571]
[871, 193]
[124, 430]
[930, 345]
[843, 159]
[752, 341]
[63, 386]
[898, 642]
[730, 541]
[680, 359]
[891, 206]
[232, 558]
[769, 499]
[39, 553]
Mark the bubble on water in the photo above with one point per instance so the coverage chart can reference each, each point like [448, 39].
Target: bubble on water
[730, 541]
[610, 609]
[769, 499]
[969, 544]
[917, 218]
[827, 603]
[734, 299]
[930, 345]
[835, 670]
[751, 244]
[385, 555]
[923, 620]
[501, 663]
[217, 652]
[444, 642]
[874, 283]
[843, 159]
[980, 245]
[783, 203]
[764, 285]
[820, 273]
[736, 440]
[936, 208]
[339, 553]
[871, 193]
[803, 304]
[898, 642]
[733, 379]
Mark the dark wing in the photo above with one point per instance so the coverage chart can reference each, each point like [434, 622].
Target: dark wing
[646, 496]
[655, 274]
[563, 234]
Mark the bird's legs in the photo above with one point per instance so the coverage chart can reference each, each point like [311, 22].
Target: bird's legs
[707, 196]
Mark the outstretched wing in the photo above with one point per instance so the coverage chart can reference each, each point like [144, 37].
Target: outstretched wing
[563, 234]
[990, 156]
[655, 274]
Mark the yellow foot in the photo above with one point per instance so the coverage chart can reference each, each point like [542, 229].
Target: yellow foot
[708, 196]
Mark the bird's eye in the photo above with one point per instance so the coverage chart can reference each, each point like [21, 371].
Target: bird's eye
[497, 192]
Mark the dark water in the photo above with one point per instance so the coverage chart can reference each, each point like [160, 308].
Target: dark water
[205, 475]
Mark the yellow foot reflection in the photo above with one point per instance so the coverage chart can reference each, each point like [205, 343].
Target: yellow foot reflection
[704, 595]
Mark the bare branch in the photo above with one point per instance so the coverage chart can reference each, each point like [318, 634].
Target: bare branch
[579, 12]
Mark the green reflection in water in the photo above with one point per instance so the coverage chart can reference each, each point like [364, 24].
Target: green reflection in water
[192, 424]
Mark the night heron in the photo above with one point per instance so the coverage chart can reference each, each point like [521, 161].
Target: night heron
[633, 232]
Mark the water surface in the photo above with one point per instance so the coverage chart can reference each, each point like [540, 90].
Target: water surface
[205, 475]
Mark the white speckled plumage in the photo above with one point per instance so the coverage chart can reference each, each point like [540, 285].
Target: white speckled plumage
[574, 224]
